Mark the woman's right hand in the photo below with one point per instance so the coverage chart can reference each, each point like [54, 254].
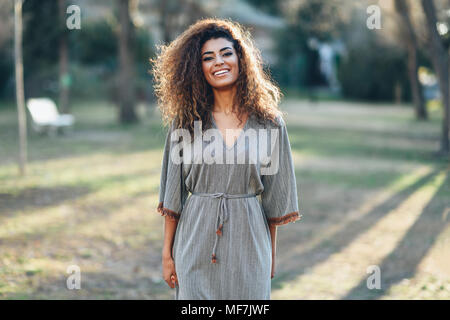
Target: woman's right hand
[169, 274]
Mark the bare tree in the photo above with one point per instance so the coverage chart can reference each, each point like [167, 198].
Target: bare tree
[439, 59]
[408, 32]
[165, 20]
[126, 69]
[176, 15]
[19, 86]
[63, 59]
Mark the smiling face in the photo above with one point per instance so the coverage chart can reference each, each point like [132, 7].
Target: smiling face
[220, 63]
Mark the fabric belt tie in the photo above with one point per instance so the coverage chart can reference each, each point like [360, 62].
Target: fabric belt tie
[222, 215]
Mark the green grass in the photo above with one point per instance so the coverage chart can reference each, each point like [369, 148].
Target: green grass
[89, 199]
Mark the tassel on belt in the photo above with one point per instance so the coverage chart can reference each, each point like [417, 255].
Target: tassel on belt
[222, 215]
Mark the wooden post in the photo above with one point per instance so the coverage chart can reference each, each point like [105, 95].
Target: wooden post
[19, 86]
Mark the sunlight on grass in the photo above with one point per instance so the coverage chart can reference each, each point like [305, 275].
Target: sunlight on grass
[79, 169]
[108, 180]
[343, 270]
[109, 197]
[434, 280]
[29, 274]
[90, 199]
[128, 223]
[359, 212]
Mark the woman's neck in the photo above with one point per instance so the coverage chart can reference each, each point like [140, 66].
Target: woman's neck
[223, 100]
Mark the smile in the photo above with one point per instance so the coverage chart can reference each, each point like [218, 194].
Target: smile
[221, 72]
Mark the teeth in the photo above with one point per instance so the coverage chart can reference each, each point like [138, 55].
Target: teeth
[220, 72]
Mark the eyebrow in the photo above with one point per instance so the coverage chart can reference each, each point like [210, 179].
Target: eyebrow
[208, 52]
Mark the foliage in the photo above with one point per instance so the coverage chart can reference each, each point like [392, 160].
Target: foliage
[40, 47]
[6, 74]
[298, 65]
[93, 56]
[269, 6]
[96, 44]
[372, 70]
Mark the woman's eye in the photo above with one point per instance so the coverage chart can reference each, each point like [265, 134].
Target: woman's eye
[227, 54]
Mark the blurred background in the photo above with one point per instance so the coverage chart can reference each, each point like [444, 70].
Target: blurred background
[366, 89]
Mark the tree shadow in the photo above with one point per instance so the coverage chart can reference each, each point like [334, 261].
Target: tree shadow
[33, 198]
[87, 140]
[134, 273]
[39, 197]
[403, 261]
[327, 247]
[329, 142]
[94, 212]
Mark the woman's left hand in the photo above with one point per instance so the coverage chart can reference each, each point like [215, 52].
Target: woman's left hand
[273, 267]
[273, 239]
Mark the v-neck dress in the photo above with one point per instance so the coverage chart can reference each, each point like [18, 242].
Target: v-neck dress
[222, 246]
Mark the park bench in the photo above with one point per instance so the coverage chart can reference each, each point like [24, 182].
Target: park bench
[46, 118]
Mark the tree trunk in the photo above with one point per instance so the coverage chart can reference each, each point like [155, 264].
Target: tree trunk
[64, 79]
[440, 63]
[19, 86]
[165, 20]
[411, 43]
[127, 112]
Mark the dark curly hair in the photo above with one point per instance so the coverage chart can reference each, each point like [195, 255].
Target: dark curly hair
[184, 94]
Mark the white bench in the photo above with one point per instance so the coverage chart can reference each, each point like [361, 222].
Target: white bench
[46, 117]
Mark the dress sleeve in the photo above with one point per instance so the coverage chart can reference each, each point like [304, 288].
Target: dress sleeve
[279, 199]
[172, 189]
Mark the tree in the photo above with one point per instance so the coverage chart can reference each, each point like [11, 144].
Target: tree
[439, 59]
[127, 98]
[63, 58]
[176, 15]
[19, 85]
[409, 37]
[40, 47]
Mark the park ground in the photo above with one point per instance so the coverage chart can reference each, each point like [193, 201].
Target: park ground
[370, 190]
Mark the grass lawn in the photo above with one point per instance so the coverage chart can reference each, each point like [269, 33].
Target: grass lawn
[370, 191]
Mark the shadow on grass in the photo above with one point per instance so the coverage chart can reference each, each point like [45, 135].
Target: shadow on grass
[84, 214]
[402, 262]
[33, 198]
[329, 142]
[39, 197]
[96, 286]
[114, 139]
[343, 238]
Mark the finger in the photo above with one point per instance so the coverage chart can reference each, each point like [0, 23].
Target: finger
[174, 278]
[170, 284]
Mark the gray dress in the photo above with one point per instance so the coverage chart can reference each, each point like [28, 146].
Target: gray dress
[222, 246]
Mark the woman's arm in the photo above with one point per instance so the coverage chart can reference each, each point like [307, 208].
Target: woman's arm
[169, 274]
[273, 236]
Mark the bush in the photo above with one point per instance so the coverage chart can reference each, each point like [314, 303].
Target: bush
[371, 72]
[298, 65]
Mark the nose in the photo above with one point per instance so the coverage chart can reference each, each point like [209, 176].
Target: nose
[219, 60]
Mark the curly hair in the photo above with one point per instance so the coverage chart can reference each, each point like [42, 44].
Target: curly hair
[184, 94]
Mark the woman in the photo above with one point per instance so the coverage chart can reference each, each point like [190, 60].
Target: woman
[221, 218]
